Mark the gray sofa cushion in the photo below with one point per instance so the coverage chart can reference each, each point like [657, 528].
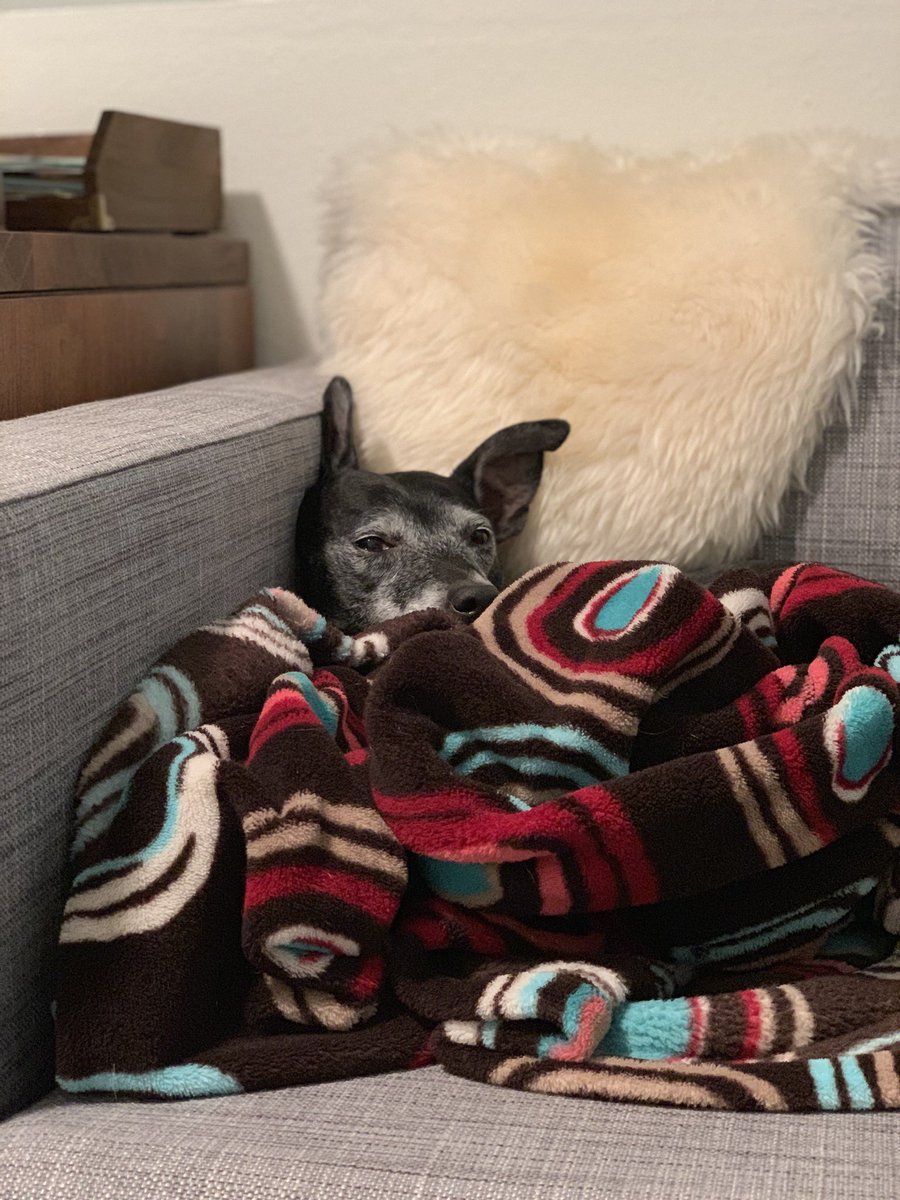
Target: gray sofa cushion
[425, 1134]
[849, 515]
[122, 525]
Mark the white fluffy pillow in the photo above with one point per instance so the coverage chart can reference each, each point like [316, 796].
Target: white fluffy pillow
[694, 319]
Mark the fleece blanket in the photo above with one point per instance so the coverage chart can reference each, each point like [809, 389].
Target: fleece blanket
[624, 838]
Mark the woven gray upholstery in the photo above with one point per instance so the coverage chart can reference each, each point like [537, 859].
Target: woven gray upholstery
[850, 514]
[429, 1135]
[122, 525]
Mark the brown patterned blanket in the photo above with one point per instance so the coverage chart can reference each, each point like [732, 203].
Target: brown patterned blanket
[625, 838]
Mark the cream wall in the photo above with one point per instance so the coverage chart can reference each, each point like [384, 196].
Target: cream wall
[294, 83]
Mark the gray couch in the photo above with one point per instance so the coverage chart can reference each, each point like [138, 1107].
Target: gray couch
[127, 523]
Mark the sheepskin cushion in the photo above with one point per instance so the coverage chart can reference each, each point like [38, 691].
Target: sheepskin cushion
[697, 320]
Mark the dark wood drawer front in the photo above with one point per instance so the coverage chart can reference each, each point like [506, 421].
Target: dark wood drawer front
[62, 348]
[54, 262]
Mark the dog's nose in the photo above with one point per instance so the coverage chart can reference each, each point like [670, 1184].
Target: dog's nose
[470, 599]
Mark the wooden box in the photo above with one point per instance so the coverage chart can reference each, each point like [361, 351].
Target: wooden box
[134, 173]
[88, 316]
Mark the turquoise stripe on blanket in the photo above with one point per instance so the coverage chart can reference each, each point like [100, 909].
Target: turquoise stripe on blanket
[186, 1082]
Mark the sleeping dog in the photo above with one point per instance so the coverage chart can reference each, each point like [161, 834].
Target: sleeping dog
[371, 547]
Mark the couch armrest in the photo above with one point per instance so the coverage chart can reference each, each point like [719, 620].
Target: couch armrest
[123, 525]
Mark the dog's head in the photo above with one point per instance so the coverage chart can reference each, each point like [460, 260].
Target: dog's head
[371, 547]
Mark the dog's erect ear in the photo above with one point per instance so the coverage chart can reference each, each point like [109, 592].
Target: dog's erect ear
[504, 472]
[338, 450]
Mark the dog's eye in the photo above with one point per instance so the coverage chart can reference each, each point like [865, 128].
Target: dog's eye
[481, 536]
[372, 543]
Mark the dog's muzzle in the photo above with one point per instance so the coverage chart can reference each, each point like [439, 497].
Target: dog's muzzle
[469, 600]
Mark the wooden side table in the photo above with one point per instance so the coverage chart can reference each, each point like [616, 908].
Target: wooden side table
[88, 316]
